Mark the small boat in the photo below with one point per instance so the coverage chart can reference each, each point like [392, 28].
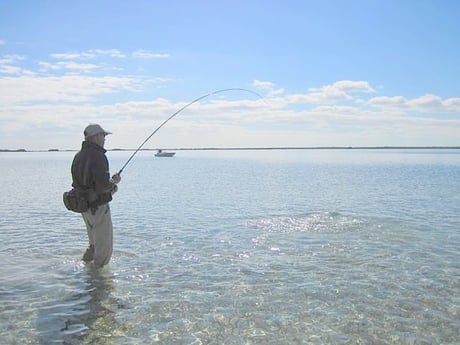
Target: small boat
[161, 153]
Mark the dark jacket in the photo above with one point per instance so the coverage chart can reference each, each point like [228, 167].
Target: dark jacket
[90, 171]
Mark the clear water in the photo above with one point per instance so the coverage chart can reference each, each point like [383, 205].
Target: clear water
[269, 247]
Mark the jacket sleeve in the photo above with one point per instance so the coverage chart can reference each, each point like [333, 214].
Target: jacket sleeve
[101, 175]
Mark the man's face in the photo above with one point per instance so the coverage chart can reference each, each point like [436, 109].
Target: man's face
[100, 139]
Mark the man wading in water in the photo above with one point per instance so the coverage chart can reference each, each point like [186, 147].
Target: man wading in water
[90, 171]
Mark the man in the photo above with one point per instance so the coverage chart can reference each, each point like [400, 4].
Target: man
[90, 171]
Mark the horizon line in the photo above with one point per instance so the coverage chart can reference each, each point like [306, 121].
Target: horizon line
[385, 147]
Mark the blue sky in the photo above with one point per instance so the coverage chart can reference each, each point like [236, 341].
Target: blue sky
[345, 73]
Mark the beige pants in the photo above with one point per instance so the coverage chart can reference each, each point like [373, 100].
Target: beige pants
[100, 233]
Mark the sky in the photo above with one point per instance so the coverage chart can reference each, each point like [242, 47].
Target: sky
[329, 73]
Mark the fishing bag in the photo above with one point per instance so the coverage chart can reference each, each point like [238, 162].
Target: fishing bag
[76, 200]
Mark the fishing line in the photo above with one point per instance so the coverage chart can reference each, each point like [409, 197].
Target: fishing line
[177, 112]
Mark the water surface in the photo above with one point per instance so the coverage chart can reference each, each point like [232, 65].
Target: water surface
[269, 247]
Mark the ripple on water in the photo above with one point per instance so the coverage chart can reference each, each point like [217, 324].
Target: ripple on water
[329, 222]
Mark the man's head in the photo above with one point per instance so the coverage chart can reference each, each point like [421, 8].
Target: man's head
[95, 134]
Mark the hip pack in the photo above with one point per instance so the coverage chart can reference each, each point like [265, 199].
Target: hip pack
[76, 200]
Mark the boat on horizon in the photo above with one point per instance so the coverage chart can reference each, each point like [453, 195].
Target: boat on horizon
[162, 153]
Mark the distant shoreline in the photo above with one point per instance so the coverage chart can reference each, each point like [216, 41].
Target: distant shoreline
[262, 148]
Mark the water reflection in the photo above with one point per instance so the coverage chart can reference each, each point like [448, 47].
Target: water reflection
[86, 315]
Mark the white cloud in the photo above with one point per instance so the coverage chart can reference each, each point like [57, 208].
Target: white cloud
[143, 54]
[67, 65]
[395, 102]
[8, 65]
[220, 122]
[264, 85]
[11, 59]
[115, 53]
[26, 89]
[89, 54]
[427, 103]
[337, 114]
[14, 70]
[453, 104]
[72, 56]
[268, 87]
[339, 91]
[422, 104]
[351, 86]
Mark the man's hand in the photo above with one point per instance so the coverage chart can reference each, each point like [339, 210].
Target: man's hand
[116, 178]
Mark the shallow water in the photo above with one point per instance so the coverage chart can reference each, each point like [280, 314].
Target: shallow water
[270, 247]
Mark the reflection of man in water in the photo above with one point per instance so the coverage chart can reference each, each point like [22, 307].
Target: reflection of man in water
[100, 320]
[86, 316]
[90, 171]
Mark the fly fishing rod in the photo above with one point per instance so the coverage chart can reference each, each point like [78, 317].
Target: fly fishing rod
[177, 112]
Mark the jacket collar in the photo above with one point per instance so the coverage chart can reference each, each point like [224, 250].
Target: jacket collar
[90, 145]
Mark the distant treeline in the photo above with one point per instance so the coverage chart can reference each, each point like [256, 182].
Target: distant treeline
[264, 148]
[314, 148]
[18, 150]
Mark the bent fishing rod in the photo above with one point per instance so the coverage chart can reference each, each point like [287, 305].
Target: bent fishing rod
[176, 113]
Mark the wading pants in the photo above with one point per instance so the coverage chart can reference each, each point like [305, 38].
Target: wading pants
[100, 233]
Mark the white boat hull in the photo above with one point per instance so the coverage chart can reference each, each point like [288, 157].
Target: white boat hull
[165, 154]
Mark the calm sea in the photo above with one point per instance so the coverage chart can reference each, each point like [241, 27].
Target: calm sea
[257, 247]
